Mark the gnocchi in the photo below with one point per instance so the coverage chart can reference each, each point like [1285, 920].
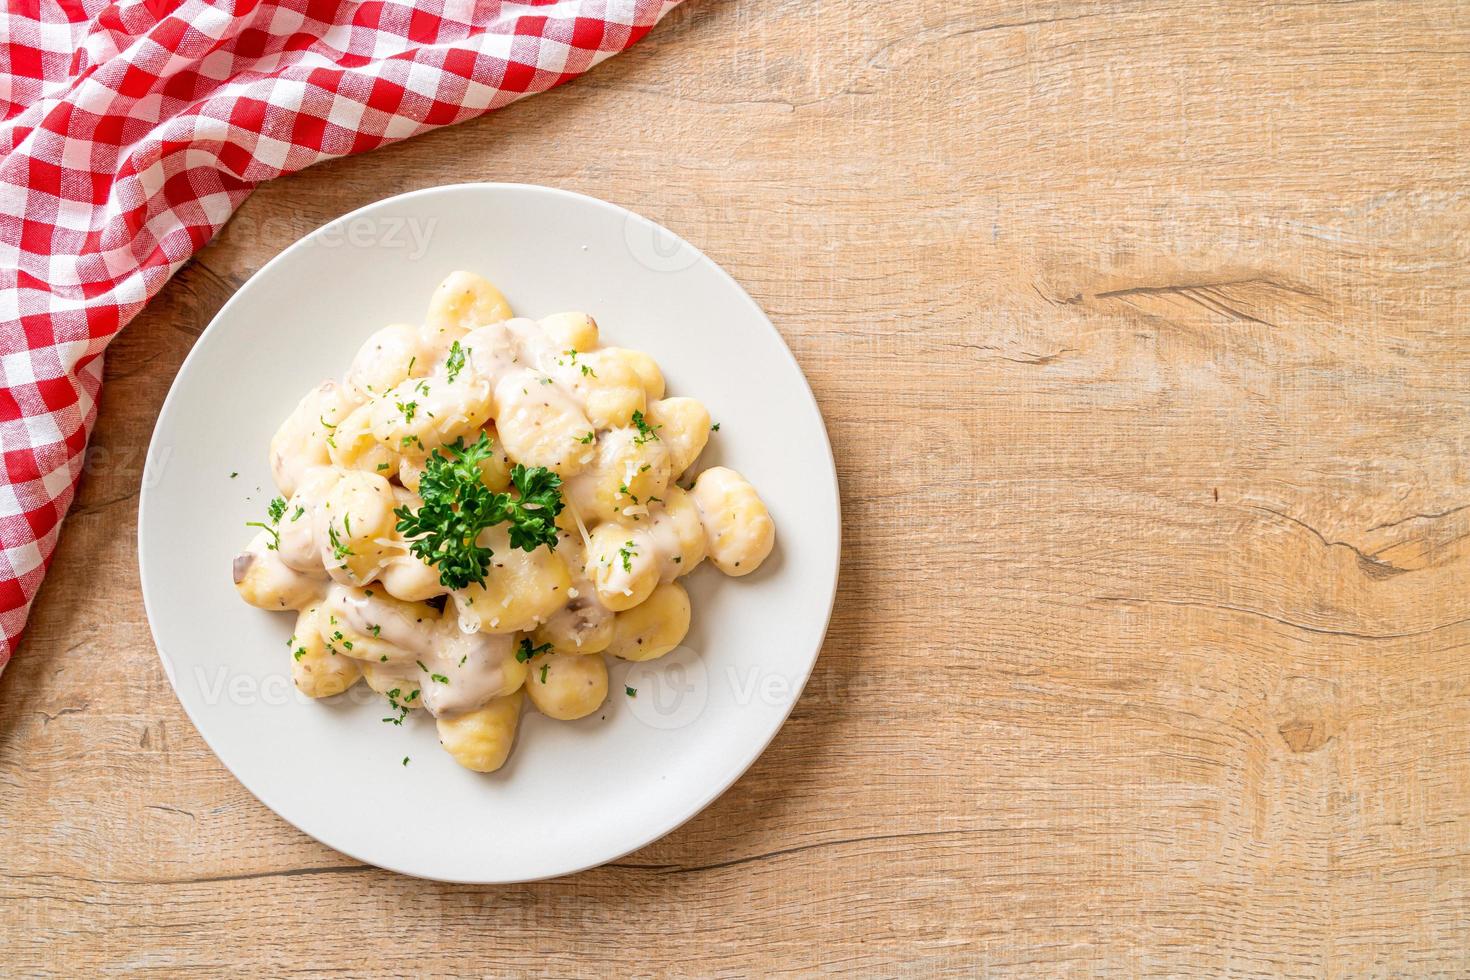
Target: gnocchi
[482, 511]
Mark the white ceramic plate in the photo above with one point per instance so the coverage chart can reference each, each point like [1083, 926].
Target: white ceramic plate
[573, 795]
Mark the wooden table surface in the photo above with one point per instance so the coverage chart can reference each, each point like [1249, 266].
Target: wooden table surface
[1142, 333]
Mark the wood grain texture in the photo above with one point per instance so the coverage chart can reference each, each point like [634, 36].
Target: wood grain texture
[1142, 332]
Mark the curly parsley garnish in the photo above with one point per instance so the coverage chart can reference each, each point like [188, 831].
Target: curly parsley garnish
[457, 506]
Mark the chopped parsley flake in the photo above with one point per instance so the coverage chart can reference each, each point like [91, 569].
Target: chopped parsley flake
[402, 709]
[340, 551]
[455, 362]
[646, 432]
[275, 542]
[632, 692]
[526, 652]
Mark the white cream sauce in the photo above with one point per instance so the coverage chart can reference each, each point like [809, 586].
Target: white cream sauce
[456, 671]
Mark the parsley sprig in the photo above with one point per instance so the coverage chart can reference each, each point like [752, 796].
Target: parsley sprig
[457, 506]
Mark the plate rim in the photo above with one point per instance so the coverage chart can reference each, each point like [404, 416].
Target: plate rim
[738, 768]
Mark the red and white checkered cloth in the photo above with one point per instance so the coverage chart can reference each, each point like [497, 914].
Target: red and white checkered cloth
[130, 131]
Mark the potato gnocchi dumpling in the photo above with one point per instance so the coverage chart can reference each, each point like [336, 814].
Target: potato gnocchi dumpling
[608, 384]
[386, 358]
[317, 671]
[622, 563]
[482, 511]
[358, 519]
[521, 589]
[481, 739]
[541, 423]
[352, 445]
[302, 441]
[571, 331]
[682, 425]
[645, 367]
[566, 686]
[402, 691]
[653, 627]
[583, 625]
[737, 527]
[267, 582]
[462, 302]
[623, 481]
